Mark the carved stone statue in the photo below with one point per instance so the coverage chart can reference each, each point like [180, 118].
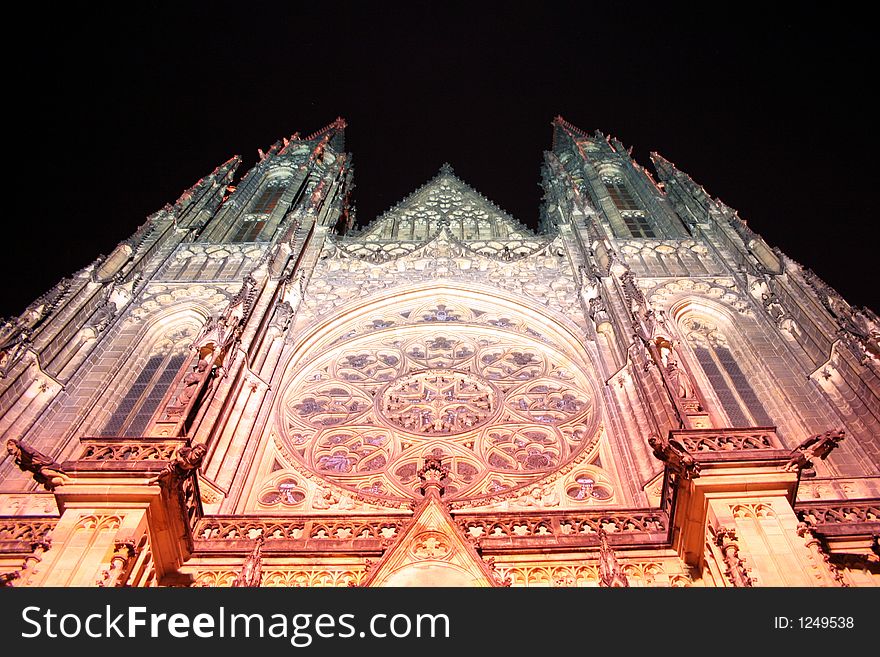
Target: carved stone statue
[675, 456]
[184, 464]
[103, 316]
[327, 498]
[46, 471]
[681, 383]
[281, 317]
[818, 446]
[192, 380]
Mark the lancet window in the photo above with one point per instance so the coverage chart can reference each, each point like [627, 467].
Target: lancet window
[142, 398]
[722, 369]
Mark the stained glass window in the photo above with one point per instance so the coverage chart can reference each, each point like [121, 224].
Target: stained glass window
[141, 401]
[731, 385]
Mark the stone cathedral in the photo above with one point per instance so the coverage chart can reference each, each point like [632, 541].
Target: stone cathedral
[250, 391]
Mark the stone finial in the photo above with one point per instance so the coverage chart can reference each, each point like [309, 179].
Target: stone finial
[251, 574]
[433, 475]
[611, 575]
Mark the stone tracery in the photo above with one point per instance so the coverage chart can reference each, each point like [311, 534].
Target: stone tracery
[501, 410]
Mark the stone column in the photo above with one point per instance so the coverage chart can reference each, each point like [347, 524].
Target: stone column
[744, 492]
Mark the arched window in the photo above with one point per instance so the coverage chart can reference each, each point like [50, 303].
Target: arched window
[141, 401]
[254, 220]
[633, 215]
[620, 195]
[731, 386]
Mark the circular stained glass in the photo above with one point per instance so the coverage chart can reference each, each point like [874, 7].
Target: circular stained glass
[438, 402]
[501, 410]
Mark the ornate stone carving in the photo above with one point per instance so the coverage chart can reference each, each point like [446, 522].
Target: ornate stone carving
[124, 552]
[562, 526]
[675, 456]
[610, 573]
[736, 571]
[430, 545]
[439, 402]
[727, 440]
[823, 516]
[251, 574]
[433, 475]
[97, 449]
[186, 462]
[819, 555]
[293, 576]
[818, 446]
[45, 470]
[500, 410]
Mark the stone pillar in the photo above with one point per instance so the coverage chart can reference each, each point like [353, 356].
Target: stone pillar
[120, 491]
[736, 516]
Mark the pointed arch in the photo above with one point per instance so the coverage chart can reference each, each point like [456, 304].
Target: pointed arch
[162, 351]
[725, 360]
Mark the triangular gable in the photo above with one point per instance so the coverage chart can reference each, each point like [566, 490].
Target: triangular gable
[446, 200]
[431, 552]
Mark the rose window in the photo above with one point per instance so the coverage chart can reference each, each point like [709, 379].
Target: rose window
[438, 402]
[501, 410]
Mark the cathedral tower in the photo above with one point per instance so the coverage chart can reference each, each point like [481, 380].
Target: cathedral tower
[641, 393]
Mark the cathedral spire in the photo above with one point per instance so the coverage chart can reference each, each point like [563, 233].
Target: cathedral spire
[562, 127]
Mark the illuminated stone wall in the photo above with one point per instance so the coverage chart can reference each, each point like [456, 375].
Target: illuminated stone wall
[443, 396]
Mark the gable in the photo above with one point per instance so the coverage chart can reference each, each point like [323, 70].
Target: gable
[446, 201]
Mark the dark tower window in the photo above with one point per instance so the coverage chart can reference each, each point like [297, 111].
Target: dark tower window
[249, 229]
[638, 225]
[253, 222]
[268, 199]
[620, 195]
[732, 387]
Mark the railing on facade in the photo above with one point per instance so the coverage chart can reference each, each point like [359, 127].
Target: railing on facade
[842, 517]
[19, 534]
[716, 442]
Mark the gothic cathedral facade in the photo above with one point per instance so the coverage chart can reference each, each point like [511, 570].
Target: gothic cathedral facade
[249, 391]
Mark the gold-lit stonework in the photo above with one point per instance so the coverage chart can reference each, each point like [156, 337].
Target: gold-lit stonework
[502, 409]
[251, 392]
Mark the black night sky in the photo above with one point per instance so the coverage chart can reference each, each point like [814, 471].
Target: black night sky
[115, 114]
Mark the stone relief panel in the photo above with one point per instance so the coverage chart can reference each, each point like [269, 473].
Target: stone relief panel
[543, 277]
[662, 293]
[443, 310]
[569, 573]
[445, 202]
[668, 258]
[33, 504]
[502, 410]
[197, 261]
[162, 295]
[304, 575]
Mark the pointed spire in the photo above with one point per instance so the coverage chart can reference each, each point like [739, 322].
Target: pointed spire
[664, 168]
[611, 575]
[221, 174]
[338, 125]
[251, 574]
[668, 172]
[432, 550]
[560, 125]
